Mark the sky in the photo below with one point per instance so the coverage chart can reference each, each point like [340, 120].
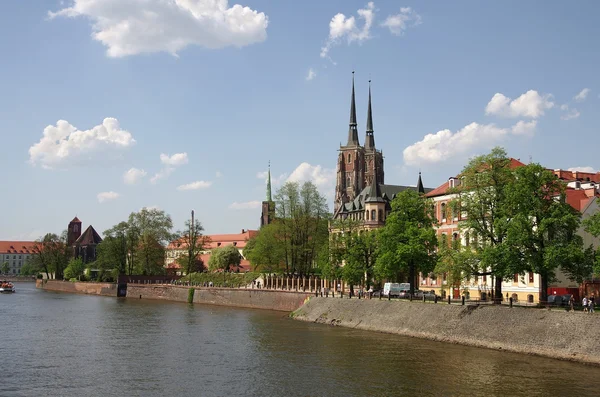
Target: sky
[109, 106]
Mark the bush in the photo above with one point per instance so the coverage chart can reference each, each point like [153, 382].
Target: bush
[219, 280]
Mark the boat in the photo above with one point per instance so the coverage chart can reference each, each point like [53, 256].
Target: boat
[6, 287]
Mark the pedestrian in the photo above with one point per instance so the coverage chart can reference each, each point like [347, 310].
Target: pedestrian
[572, 303]
[584, 303]
[591, 304]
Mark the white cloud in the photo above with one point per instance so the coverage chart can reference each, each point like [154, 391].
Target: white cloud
[571, 113]
[582, 95]
[275, 180]
[162, 174]
[63, 144]
[398, 23]
[175, 160]
[445, 144]
[530, 104]
[106, 196]
[583, 169]
[218, 174]
[342, 27]
[248, 205]
[524, 127]
[311, 74]
[323, 178]
[130, 27]
[195, 186]
[133, 176]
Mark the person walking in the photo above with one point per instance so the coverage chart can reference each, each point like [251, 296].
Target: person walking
[591, 304]
[572, 303]
[584, 303]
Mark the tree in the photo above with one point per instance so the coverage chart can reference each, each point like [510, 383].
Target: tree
[483, 196]
[408, 240]
[265, 251]
[75, 269]
[360, 258]
[51, 254]
[149, 233]
[592, 226]
[224, 259]
[302, 215]
[5, 268]
[542, 231]
[192, 240]
[28, 269]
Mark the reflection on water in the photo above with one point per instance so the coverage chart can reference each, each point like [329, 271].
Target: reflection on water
[77, 345]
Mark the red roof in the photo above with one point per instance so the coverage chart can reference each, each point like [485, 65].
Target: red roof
[17, 247]
[578, 198]
[75, 220]
[221, 240]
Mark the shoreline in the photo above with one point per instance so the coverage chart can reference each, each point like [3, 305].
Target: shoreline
[538, 332]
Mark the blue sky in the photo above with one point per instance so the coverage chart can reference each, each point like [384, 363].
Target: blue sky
[219, 90]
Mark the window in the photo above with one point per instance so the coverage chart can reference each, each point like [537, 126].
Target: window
[531, 277]
[530, 298]
[373, 215]
[443, 212]
[466, 239]
[484, 279]
[380, 215]
[367, 215]
[455, 240]
[349, 158]
[516, 278]
[348, 182]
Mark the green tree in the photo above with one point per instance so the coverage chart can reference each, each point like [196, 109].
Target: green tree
[5, 268]
[51, 254]
[542, 231]
[360, 258]
[303, 216]
[74, 269]
[408, 240]
[193, 242]
[28, 269]
[266, 251]
[149, 233]
[483, 196]
[592, 225]
[224, 259]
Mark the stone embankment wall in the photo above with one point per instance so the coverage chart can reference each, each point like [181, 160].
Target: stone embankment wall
[103, 289]
[250, 298]
[557, 333]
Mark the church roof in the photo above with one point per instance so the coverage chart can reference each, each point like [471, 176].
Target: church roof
[75, 220]
[388, 193]
[89, 237]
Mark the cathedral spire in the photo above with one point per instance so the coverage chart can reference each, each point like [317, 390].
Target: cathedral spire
[370, 138]
[352, 131]
[269, 183]
[374, 189]
[420, 187]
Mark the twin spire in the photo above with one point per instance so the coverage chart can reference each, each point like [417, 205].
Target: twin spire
[352, 130]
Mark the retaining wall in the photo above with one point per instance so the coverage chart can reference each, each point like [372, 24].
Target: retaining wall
[250, 298]
[551, 333]
[103, 289]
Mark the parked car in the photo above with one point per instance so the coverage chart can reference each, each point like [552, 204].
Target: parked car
[559, 300]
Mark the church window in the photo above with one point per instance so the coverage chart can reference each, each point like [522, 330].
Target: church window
[373, 215]
[367, 214]
[349, 158]
[380, 215]
[348, 181]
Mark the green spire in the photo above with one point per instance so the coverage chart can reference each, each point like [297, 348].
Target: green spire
[269, 183]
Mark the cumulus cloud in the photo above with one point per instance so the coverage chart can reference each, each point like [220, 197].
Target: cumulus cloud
[583, 169]
[63, 144]
[398, 23]
[582, 95]
[311, 74]
[346, 28]
[524, 127]
[175, 160]
[530, 104]
[275, 180]
[569, 113]
[195, 186]
[130, 27]
[133, 176]
[445, 144]
[162, 174]
[248, 205]
[106, 196]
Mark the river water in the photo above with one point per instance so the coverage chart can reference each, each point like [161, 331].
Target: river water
[54, 344]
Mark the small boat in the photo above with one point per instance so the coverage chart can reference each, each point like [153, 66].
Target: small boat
[6, 287]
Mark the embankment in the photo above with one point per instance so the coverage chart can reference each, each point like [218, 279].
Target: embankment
[20, 279]
[103, 289]
[249, 298]
[557, 334]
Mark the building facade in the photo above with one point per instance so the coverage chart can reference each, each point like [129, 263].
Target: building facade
[175, 249]
[360, 191]
[15, 254]
[582, 190]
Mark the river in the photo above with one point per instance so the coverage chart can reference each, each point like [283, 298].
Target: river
[55, 344]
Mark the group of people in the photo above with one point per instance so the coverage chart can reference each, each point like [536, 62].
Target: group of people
[588, 304]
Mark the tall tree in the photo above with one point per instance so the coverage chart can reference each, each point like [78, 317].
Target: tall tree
[5, 268]
[542, 231]
[483, 197]
[193, 242]
[592, 225]
[75, 269]
[360, 257]
[51, 254]
[224, 258]
[115, 251]
[265, 251]
[408, 240]
[303, 215]
[151, 229]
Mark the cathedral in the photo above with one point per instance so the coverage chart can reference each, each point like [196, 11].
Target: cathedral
[360, 192]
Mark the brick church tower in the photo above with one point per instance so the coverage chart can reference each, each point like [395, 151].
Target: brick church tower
[268, 206]
[73, 231]
[356, 164]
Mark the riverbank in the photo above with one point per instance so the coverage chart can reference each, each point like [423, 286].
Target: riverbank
[18, 279]
[556, 334]
[278, 300]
